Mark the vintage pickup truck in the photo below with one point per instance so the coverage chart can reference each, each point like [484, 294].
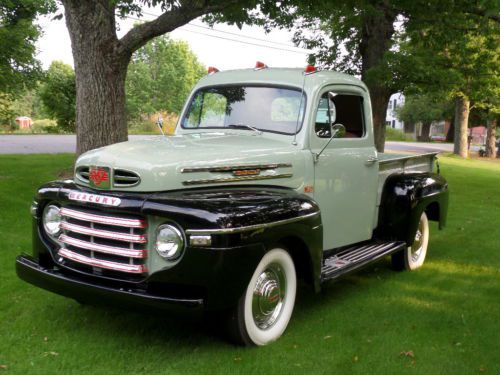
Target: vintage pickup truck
[271, 176]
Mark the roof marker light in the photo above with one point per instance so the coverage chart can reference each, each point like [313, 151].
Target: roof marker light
[260, 65]
[212, 70]
[310, 69]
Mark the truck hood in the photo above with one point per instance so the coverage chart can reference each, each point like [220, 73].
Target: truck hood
[199, 160]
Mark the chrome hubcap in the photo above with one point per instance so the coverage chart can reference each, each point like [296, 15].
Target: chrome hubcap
[416, 247]
[268, 296]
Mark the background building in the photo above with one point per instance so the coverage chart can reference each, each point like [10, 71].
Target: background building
[396, 101]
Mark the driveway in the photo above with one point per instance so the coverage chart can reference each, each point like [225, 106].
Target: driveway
[53, 144]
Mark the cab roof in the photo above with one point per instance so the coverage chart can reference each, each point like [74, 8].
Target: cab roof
[293, 77]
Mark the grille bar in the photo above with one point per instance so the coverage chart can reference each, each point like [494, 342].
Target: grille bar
[130, 268]
[92, 246]
[100, 219]
[135, 238]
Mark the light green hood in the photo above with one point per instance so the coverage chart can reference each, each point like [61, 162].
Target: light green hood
[184, 161]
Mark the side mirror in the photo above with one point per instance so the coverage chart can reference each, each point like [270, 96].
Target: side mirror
[338, 131]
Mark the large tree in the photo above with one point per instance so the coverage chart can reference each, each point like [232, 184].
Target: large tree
[101, 58]
[18, 34]
[458, 60]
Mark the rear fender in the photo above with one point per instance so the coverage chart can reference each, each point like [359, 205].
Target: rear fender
[404, 198]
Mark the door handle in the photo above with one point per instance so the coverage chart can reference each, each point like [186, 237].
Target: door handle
[371, 160]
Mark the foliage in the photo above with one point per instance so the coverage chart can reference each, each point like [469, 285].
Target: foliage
[7, 113]
[46, 126]
[160, 77]
[423, 108]
[58, 94]
[147, 124]
[397, 135]
[447, 314]
[18, 35]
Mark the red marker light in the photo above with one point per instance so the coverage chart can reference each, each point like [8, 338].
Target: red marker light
[310, 69]
[260, 65]
[212, 70]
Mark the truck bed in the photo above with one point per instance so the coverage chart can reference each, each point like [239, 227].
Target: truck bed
[401, 163]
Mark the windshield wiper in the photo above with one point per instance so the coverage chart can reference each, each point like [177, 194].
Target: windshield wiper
[243, 126]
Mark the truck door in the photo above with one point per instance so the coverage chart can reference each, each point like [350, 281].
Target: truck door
[346, 171]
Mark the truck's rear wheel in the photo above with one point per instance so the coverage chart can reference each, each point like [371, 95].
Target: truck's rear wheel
[413, 256]
[265, 308]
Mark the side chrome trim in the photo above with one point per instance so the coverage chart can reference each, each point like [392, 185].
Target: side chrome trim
[199, 232]
[231, 168]
[130, 268]
[235, 179]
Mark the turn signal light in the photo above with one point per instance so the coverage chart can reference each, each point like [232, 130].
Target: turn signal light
[260, 65]
[212, 70]
[310, 69]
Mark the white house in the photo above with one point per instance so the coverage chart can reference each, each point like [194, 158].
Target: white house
[396, 101]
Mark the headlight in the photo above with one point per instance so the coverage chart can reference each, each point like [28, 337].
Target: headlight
[169, 242]
[52, 220]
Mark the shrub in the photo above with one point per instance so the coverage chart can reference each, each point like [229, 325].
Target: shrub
[147, 124]
[45, 126]
[396, 135]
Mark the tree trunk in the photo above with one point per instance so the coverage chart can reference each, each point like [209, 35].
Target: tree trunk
[380, 99]
[462, 107]
[491, 138]
[100, 70]
[376, 41]
[425, 133]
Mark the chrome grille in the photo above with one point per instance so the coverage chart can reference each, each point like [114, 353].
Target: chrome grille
[102, 242]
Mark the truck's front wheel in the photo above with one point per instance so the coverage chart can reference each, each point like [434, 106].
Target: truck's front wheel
[265, 308]
[413, 257]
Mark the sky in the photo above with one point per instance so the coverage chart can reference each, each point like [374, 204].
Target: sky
[212, 47]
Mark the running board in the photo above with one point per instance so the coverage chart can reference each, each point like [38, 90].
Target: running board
[356, 257]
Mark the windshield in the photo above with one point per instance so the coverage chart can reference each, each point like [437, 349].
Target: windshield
[272, 109]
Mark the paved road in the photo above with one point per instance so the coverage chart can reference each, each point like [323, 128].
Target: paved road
[35, 144]
[41, 144]
[418, 147]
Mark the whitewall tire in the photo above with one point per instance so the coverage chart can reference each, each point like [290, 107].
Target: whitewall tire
[413, 257]
[266, 307]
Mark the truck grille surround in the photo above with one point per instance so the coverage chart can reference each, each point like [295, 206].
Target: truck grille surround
[113, 245]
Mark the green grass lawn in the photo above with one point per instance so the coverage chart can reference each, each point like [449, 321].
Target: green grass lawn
[442, 319]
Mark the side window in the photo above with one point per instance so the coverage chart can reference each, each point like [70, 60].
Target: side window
[345, 109]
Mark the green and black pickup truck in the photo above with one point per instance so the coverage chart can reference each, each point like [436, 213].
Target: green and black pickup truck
[271, 176]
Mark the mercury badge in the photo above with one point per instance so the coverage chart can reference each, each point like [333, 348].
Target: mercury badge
[100, 177]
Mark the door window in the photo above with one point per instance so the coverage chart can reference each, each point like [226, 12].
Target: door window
[345, 109]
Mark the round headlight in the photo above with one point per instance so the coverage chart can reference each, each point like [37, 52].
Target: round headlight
[169, 242]
[52, 220]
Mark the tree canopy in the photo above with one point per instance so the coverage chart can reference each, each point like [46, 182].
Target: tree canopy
[58, 94]
[160, 77]
[18, 34]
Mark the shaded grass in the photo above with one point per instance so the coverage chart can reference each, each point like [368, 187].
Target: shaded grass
[442, 319]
